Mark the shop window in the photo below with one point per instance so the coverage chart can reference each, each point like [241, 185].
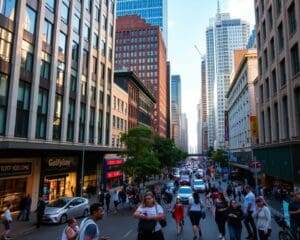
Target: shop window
[23, 106]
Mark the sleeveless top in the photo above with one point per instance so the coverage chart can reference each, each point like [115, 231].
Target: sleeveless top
[84, 224]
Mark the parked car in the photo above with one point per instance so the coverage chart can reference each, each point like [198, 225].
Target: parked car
[185, 193]
[184, 180]
[62, 209]
[199, 185]
[171, 186]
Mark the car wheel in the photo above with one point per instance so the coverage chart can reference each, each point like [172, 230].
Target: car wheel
[63, 218]
[85, 213]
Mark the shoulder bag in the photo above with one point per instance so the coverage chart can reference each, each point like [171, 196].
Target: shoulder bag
[163, 222]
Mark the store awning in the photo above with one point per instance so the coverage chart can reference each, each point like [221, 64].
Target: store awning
[239, 165]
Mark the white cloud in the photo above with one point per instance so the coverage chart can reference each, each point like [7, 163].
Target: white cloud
[243, 9]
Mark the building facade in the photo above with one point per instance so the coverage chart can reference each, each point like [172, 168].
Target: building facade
[278, 91]
[56, 61]
[119, 115]
[176, 108]
[203, 109]
[223, 36]
[141, 49]
[140, 99]
[241, 109]
[154, 12]
[184, 133]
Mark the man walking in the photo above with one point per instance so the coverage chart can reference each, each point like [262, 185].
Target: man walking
[40, 211]
[89, 229]
[294, 211]
[249, 208]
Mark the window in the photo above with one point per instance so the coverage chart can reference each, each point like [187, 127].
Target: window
[272, 51]
[270, 15]
[276, 122]
[107, 132]
[60, 75]
[260, 66]
[92, 125]
[76, 24]
[110, 54]
[297, 108]
[295, 59]
[258, 40]
[285, 117]
[261, 93]
[50, 4]
[274, 82]
[278, 6]
[267, 89]
[269, 125]
[57, 117]
[62, 43]
[23, 105]
[73, 81]
[282, 72]
[88, 5]
[81, 122]
[85, 64]
[103, 47]
[95, 65]
[266, 58]
[71, 120]
[100, 121]
[93, 92]
[3, 101]
[47, 32]
[104, 22]
[64, 11]
[75, 48]
[7, 8]
[111, 30]
[264, 30]
[280, 37]
[6, 39]
[27, 56]
[97, 13]
[41, 119]
[95, 40]
[86, 32]
[292, 19]
[83, 86]
[263, 127]
[45, 65]
[29, 21]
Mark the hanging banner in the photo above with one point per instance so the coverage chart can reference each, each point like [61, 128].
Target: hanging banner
[253, 128]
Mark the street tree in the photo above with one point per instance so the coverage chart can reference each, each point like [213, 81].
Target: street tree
[219, 156]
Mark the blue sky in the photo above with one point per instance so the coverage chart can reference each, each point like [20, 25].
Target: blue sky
[188, 20]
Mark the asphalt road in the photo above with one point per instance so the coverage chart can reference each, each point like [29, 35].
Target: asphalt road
[123, 226]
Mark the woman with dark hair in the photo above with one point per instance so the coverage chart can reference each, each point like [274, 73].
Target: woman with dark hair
[262, 215]
[194, 211]
[220, 213]
[71, 231]
[149, 215]
[235, 217]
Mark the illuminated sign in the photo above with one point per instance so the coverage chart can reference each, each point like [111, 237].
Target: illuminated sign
[114, 162]
[114, 174]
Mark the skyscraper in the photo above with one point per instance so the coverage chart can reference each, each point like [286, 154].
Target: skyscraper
[184, 133]
[140, 48]
[176, 108]
[222, 37]
[153, 11]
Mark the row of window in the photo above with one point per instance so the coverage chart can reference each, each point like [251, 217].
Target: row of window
[119, 105]
[119, 123]
[132, 34]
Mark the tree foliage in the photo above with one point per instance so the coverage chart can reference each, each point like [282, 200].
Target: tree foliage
[219, 156]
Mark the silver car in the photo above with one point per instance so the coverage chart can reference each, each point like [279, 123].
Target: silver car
[199, 185]
[62, 209]
[185, 193]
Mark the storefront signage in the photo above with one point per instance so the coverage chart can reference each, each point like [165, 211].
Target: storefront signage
[114, 162]
[114, 174]
[15, 169]
[59, 164]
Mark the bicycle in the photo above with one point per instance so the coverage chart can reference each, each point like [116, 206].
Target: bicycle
[286, 232]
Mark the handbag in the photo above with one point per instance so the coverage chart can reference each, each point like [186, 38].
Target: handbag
[163, 222]
[146, 226]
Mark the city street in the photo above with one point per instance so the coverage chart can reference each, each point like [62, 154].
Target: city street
[123, 226]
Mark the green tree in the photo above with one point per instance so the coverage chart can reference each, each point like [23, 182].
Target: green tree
[219, 156]
[210, 151]
[141, 160]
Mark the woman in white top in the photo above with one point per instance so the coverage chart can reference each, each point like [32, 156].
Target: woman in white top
[262, 215]
[7, 222]
[195, 213]
[149, 213]
[71, 231]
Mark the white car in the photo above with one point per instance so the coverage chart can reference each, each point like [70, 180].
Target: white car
[185, 193]
[199, 185]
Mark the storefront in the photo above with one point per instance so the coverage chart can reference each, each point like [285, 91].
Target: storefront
[18, 177]
[59, 177]
[113, 175]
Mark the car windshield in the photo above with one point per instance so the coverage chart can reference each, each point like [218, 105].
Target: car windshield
[199, 182]
[185, 190]
[59, 203]
[185, 177]
[170, 184]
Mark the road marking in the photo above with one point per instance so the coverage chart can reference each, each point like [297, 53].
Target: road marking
[127, 234]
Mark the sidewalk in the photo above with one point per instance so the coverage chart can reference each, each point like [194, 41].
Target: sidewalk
[22, 228]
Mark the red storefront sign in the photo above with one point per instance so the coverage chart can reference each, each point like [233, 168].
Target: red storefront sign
[114, 162]
[114, 174]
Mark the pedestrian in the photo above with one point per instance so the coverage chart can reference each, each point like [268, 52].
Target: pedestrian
[168, 197]
[178, 215]
[116, 200]
[262, 215]
[101, 198]
[40, 211]
[27, 206]
[195, 214]
[249, 209]
[22, 213]
[294, 211]
[107, 201]
[123, 197]
[220, 212]
[149, 214]
[71, 231]
[89, 229]
[234, 219]
[7, 222]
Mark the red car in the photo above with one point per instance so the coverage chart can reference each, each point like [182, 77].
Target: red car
[184, 180]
